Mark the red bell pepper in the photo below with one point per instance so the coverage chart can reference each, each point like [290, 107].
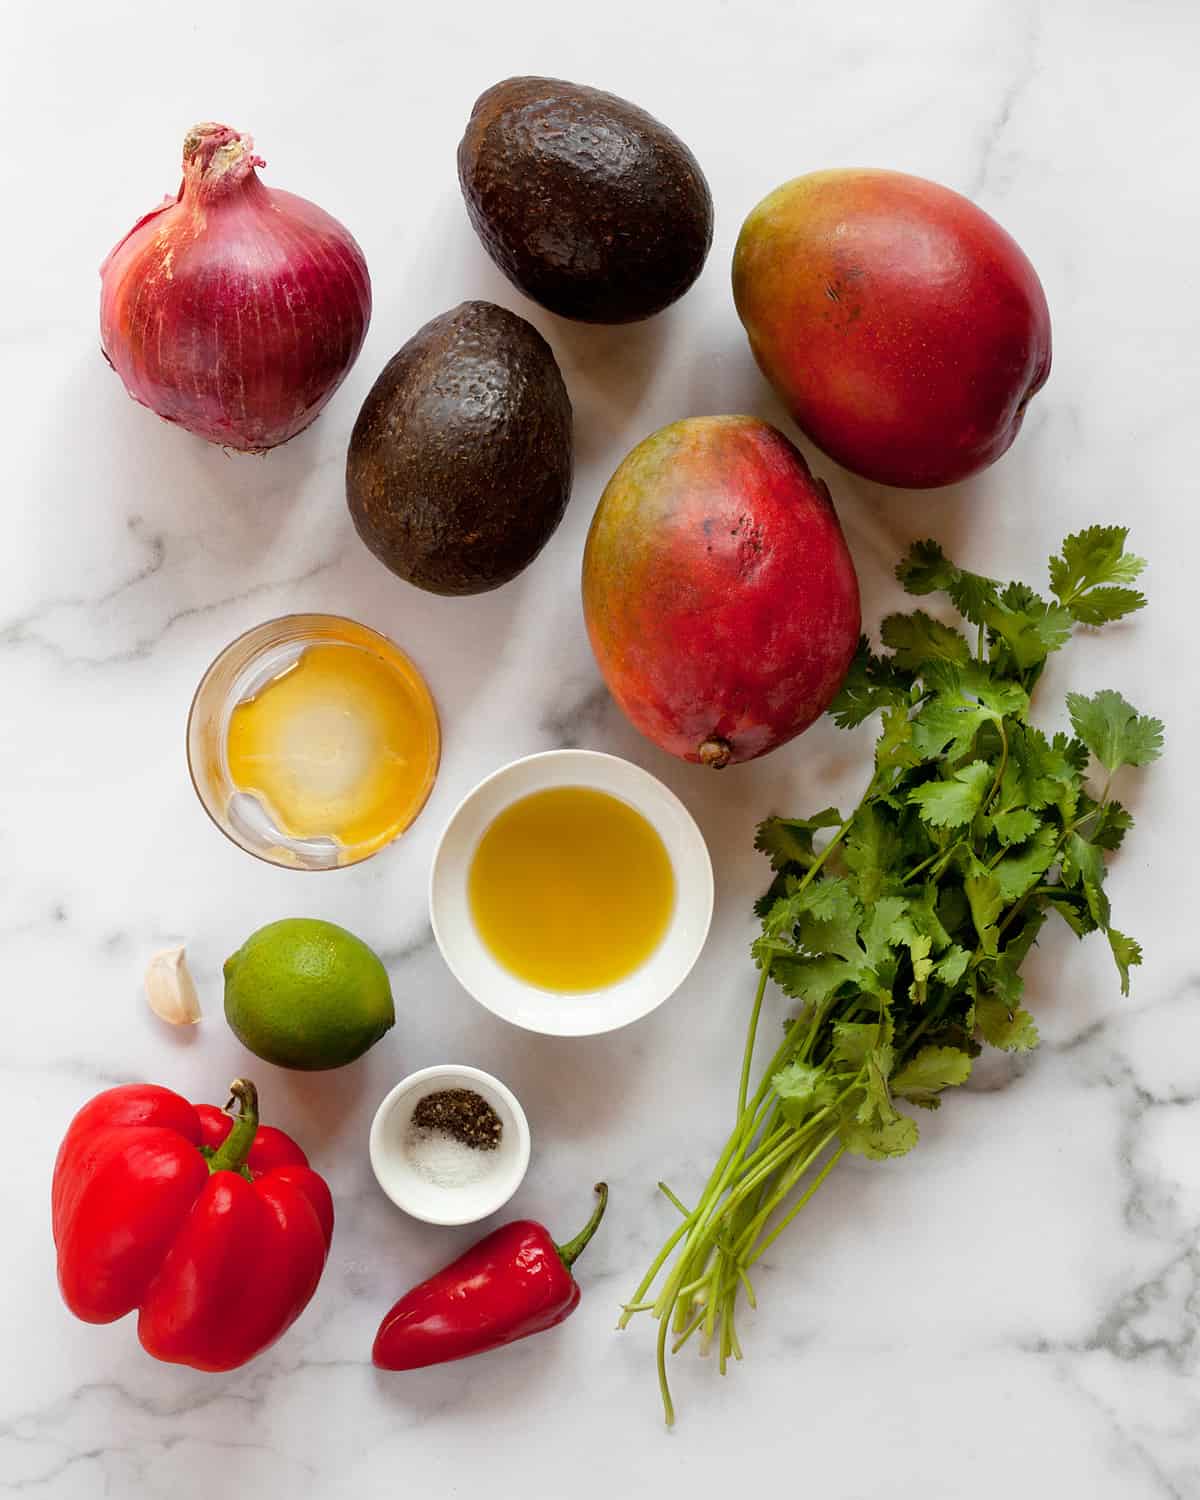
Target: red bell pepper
[216, 1229]
[513, 1282]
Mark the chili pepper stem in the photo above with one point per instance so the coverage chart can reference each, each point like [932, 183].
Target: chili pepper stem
[573, 1249]
[230, 1155]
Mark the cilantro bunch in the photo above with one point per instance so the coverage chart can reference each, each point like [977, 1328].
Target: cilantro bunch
[901, 929]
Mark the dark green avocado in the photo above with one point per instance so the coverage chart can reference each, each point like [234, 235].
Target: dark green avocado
[460, 462]
[587, 203]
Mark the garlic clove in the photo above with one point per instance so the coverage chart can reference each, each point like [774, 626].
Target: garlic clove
[170, 988]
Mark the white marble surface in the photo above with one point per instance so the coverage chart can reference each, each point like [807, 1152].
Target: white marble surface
[1013, 1306]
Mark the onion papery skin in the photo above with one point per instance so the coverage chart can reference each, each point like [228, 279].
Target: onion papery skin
[234, 309]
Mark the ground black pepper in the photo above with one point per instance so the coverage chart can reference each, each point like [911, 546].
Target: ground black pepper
[462, 1114]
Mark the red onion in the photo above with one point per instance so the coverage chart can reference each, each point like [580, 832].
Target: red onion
[233, 309]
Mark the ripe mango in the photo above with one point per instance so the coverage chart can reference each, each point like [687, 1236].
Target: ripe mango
[719, 594]
[902, 327]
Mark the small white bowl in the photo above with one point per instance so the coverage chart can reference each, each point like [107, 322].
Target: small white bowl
[432, 1202]
[594, 1011]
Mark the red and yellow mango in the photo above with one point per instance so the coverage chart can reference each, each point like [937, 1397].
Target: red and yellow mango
[719, 594]
[902, 327]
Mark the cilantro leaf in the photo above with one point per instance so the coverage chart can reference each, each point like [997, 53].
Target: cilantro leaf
[950, 804]
[974, 596]
[1018, 943]
[1017, 872]
[976, 681]
[1040, 771]
[986, 901]
[1029, 627]
[773, 893]
[803, 1090]
[924, 1076]
[1083, 865]
[1114, 731]
[1101, 606]
[882, 928]
[952, 965]
[1127, 953]
[1010, 1030]
[946, 726]
[1019, 597]
[1001, 976]
[853, 1041]
[1073, 751]
[1112, 823]
[965, 699]
[918, 638]
[910, 931]
[894, 749]
[1072, 907]
[923, 914]
[814, 979]
[788, 841]
[810, 941]
[925, 569]
[872, 682]
[828, 917]
[871, 1126]
[871, 850]
[879, 1139]
[1092, 561]
[1015, 826]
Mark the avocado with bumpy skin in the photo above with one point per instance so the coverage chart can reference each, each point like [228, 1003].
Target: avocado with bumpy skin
[460, 462]
[588, 204]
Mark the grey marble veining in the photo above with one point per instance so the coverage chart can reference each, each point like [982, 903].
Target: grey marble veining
[1013, 1307]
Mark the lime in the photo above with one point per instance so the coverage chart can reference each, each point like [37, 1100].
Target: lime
[307, 994]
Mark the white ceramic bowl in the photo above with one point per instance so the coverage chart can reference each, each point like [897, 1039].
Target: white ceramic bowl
[408, 1188]
[577, 1014]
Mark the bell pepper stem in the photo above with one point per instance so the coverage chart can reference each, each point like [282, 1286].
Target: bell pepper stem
[230, 1155]
[573, 1249]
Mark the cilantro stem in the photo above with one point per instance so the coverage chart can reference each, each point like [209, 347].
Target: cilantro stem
[917, 1032]
[941, 857]
[664, 1385]
[672, 1199]
[751, 1038]
[734, 1345]
[780, 1192]
[688, 1293]
[689, 1328]
[727, 1163]
[765, 1244]
[774, 1159]
[924, 865]
[748, 1285]
[635, 1303]
[1002, 766]
[722, 1174]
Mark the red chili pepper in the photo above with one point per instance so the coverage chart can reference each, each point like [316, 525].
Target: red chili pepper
[514, 1282]
[215, 1229]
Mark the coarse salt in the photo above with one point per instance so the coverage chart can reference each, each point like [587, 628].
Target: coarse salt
[445, 1162]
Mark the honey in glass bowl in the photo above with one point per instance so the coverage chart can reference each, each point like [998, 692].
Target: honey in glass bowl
[313, 741]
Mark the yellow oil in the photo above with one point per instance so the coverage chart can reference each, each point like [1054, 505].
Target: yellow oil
[342, 744]
[571, 889]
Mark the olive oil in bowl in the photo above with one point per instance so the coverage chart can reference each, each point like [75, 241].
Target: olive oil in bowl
[571, 889]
